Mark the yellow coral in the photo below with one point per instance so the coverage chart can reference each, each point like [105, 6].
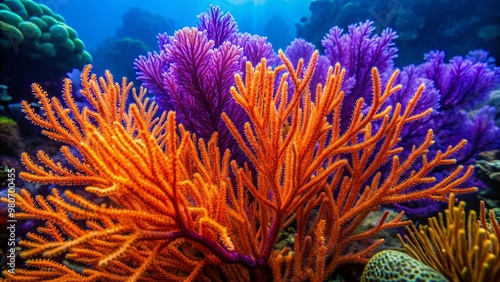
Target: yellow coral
[462, 249]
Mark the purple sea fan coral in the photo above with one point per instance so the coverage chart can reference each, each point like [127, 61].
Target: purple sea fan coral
[219, 27]
[194, 70]
[358, 51]
[454, 90]
[463, 84]
[414, 133]
[255, 48]
[198, 80]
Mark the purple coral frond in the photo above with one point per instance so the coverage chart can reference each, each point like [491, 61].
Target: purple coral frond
[190, 54]
[359, 51]
[150, 71]
[299, 49]
[483, 134]
[187, 83]
[462, 82]
[199, 81]
[163, 40]
[481, 56]
[411, 79]
[255, 48]
[219, 27]
[225, 61]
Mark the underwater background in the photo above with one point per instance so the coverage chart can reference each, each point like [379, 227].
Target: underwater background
[187, 53]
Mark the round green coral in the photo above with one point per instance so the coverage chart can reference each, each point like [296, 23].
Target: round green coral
[36, 45]
[79, 45]
[17, 7]
[386, 266]
[27, 25]
[48, 49]
[10, 17]
[49, 20]
[32, 8]
[29, 30]
[68, 46]
[4, 7]
[12, 35]
[42, 25]
[59, 33]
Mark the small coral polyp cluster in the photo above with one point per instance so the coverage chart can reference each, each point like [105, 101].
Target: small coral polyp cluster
[241, 143]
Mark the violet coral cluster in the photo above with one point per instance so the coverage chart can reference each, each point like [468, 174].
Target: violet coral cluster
[456, 92]
[454, 89]
[194, 69]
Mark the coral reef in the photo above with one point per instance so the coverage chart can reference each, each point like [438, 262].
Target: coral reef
[489, 171]
[181, 209]
[118, 55]
[251, 165]
[194, 69]
[455, 90]
[144, 26]
[33, 35]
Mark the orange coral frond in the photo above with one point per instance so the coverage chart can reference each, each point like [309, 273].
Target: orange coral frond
[172, 209]
[143, 164]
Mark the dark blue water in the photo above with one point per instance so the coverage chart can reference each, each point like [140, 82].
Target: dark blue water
[96, 20]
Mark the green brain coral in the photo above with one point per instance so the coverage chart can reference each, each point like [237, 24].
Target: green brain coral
[391, 265]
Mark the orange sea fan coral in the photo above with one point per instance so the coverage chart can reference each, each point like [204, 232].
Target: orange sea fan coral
[179, 209]
[135, 159]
